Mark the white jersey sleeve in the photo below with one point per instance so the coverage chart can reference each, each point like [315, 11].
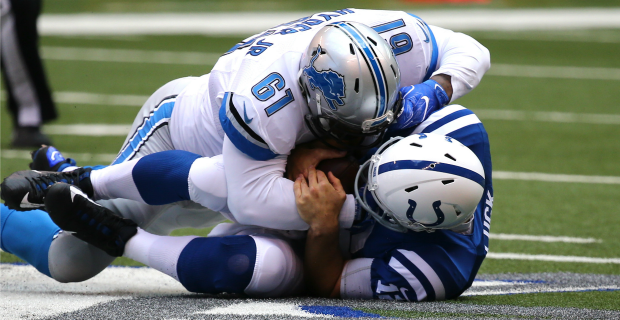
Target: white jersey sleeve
[259, 195]
[462, 58]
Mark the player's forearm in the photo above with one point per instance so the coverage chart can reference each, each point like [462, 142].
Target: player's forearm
[258, 194]
[323, 262]
[445, 82]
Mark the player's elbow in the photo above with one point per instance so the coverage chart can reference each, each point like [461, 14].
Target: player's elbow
[485, 58]
[244, 213]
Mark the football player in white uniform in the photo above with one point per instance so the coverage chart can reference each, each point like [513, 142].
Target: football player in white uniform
[326, 75]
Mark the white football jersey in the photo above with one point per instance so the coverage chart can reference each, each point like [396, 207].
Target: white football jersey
[253, 95]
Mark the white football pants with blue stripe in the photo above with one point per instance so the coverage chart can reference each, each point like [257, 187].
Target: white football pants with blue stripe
[71, 260]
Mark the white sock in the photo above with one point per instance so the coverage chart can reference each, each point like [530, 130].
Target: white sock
[115, 182]
[158, 252]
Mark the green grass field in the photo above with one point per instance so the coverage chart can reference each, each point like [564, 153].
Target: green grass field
[583, 210]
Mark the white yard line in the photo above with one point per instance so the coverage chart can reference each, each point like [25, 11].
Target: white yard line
[559, 72]
[537, 290]
[208, 58]
[525, 237]
[552, 258]
[247, 23]
[122, 130]
[102, 158]
[96, 130]
[126, 55]
[549, 177]
[263, 308]
[70, 97]
[564, 117]
[555, 36]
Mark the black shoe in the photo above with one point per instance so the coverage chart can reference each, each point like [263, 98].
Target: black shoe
[48, 158]
[25, 190]
[29, 137]
[72, 210]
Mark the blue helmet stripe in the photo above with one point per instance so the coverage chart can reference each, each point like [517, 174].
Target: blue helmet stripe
[374, 64]
[438, 166]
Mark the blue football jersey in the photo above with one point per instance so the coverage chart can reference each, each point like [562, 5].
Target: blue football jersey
[417, 266]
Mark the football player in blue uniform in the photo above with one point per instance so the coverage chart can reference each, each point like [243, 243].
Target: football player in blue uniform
[428, 199]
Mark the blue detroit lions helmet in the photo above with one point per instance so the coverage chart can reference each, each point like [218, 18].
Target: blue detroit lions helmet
[422, 182]
[350, 77]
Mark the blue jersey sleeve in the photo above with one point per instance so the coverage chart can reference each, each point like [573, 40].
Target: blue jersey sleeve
[417, 273]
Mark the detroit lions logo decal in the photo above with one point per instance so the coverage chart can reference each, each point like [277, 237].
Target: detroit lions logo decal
[329, 82]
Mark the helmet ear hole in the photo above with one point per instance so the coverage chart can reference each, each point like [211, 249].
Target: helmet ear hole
[357, 85]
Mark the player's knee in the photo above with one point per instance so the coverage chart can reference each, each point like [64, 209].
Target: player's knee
[216, 265]
[278, 270]
[255, 265]
[73, 260]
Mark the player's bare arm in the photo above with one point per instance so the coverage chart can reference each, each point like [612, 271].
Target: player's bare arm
[319, 200]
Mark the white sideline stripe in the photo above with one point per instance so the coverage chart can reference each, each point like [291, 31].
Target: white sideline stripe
[70, 97]
[247, 23]
[263, 308]
[561, 72]
[97, 130]
[545, 257]
[525, 237]
[95, 157]
[549, 177]
[538, 290]
[126, 55]
[564, 117]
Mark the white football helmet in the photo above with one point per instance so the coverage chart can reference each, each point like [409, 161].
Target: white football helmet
[421, 182]
[350, 78]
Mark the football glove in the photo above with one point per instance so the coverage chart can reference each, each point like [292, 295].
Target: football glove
[418, 103]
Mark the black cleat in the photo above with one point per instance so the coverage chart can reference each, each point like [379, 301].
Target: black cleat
[72, 210]
[48, 158]
[25, 190]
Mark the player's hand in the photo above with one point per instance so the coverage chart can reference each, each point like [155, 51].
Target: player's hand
[309, 155]
[319, 200]
[418, 102]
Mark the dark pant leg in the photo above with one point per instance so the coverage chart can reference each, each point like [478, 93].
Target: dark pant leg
[22, 53]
